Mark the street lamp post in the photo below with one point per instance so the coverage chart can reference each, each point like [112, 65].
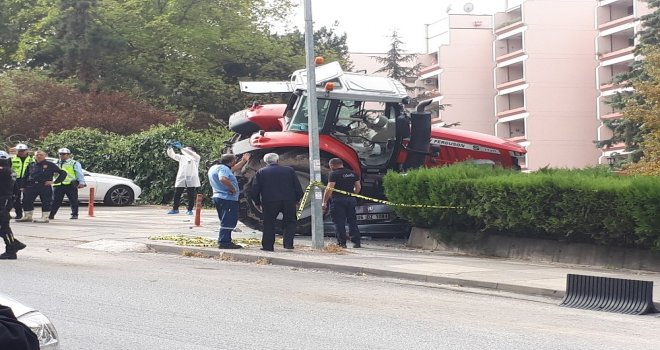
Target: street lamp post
[610, 162]
[313, 131]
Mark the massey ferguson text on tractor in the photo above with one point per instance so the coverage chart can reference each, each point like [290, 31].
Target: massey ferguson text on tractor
[362, 120]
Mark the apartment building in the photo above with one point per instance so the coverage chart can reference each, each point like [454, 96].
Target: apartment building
[460, 47]
[617, 22]
[547, 63]
[544, 50]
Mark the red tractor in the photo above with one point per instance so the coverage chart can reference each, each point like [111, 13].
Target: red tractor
[362, 120]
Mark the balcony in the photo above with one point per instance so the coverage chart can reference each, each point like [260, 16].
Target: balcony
[507, 21]
[511, 112]
[613, 86]
[428, 94]
[615, 147]
[509, 48]
[611, 116]
[508, 56]
[517, 139]
[430, 71]
[513, 131]
[630, 50]
[617, 22]
[510, 84]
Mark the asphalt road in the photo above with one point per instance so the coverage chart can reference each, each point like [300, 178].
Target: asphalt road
[102, 300]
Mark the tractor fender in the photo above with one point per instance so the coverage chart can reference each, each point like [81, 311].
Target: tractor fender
[286, 139]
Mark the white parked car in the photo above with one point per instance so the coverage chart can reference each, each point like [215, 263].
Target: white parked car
[109, 189]
[38, 323]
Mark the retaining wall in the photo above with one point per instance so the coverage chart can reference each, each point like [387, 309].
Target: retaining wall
[543, 251]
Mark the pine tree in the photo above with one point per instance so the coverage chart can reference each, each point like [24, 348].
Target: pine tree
[397, 62]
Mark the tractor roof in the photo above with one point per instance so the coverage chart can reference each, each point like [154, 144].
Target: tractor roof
[347, 85]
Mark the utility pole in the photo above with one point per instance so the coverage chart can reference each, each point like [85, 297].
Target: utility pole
[313, 132]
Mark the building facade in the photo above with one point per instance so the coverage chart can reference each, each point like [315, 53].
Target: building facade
[618, 23]
[531, 72]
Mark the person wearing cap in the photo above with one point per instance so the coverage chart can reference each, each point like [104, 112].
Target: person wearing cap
[39, 183]
[7, 178]
[74, 180]
[19, 164]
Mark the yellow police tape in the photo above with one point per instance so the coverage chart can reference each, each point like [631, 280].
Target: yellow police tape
[321, 185]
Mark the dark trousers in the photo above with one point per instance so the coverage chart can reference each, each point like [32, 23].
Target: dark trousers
[270, 212]
[18, 205]
[5, 207]
[71, 193]
[31, 192]
[342, 210]
[228, 215]
[190, 194]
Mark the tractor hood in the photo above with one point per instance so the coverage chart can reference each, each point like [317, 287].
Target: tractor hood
[472, 140]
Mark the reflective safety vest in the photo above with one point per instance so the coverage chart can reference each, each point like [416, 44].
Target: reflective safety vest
[69, 167]
[19, 166]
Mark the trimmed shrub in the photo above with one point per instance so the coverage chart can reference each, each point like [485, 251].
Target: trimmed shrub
[141, 157]
[589, 205]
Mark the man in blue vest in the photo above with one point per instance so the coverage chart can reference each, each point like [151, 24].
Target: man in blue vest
[74, 180]
[19, 164]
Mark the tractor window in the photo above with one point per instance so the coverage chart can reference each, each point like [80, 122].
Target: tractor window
[300, 121]
[368, 128]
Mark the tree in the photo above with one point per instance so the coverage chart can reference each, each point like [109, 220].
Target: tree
[184, 56]
[37, 106]
[327, 44]
[645, 112]
[397, 64]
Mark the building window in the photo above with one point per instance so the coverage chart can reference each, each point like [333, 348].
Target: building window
[631, 10]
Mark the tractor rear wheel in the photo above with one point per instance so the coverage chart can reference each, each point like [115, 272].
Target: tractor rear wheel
[250, 215]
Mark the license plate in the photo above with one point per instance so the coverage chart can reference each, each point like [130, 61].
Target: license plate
[363, 217]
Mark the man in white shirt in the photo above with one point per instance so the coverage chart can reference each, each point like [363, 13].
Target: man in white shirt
[187, 177]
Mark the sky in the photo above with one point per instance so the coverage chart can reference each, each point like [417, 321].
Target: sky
[369, 23]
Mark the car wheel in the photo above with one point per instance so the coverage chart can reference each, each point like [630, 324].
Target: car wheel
[119, 196]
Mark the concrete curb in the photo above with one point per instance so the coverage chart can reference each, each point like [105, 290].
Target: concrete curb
[348, 269]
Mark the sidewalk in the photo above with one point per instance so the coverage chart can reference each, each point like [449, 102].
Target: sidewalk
[385, 258]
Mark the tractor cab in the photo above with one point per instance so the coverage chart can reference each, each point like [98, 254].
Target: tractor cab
[368, 128]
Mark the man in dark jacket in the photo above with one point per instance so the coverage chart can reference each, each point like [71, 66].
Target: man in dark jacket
[15, 335]
[277, 189]
[39, 183]
[7, 178]
[342, 207]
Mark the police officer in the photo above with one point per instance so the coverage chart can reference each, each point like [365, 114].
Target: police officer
[342, 207]
[19, 165]
[40, 179]
[12, 245]
[75, 179]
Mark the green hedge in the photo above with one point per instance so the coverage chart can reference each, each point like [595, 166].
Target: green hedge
[140, 157]
[590, 205]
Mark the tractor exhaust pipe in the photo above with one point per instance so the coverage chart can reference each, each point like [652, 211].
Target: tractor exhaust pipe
[420, 137]
[422, 105]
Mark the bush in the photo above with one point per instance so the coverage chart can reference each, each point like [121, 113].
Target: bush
[589, 205]
[35, 106]
[141, 157]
